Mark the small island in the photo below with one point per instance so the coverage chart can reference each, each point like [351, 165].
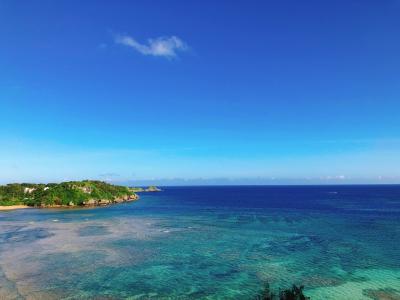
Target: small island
[66, 194]
[151, 188]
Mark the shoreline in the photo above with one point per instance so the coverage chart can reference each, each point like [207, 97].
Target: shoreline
[56, 206]
[12, 207]
[97, 203]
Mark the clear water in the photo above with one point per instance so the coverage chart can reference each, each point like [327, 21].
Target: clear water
[341, 242]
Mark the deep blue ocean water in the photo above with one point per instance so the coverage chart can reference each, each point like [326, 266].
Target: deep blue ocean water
[340, 242]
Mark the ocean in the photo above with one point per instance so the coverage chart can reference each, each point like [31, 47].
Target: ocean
[214, 242]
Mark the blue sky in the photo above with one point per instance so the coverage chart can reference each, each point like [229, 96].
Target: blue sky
[219, 91]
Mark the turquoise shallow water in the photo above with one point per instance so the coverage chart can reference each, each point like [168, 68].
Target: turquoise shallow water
[209, 243]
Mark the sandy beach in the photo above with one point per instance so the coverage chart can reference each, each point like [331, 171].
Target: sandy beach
[12, 207]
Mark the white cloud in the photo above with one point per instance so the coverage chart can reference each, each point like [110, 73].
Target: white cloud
[161, 46]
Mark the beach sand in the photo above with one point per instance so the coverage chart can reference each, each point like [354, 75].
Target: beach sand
[11, 207]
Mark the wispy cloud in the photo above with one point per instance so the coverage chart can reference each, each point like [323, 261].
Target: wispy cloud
[161, 46]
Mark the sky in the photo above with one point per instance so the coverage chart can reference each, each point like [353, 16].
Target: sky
[200, 92]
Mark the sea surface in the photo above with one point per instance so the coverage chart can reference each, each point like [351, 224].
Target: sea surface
[340, 242]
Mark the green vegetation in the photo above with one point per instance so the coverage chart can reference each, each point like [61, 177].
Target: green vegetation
[87, 192]
[293, 293]
[151, 188]
[136, 189]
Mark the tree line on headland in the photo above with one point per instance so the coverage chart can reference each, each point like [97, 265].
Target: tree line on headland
[68, 194]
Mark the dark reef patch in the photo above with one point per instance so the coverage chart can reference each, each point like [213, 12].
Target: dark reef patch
[382, 294]
[25, 236]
